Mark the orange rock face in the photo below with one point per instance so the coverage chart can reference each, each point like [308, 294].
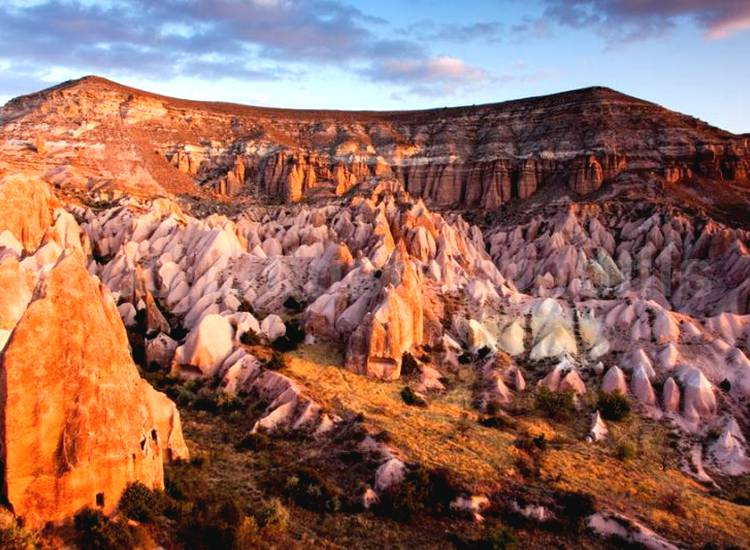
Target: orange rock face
[26, 209]
[78, 423]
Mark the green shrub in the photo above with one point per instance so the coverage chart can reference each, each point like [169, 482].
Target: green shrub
[186, 481]
[499, 421]
[276, 362]
[613, 405]
[292, 304]
[213, 523]
[500, 538]
[250, 338]
[257, 441]
[626, 450]
[273, 517]
[308, 488]
[206, 400]
[409, 365]
[95, 531]
[410, 397]
[246, 306]
[294, 336]
[13, 536]
[555, 404]
[142, 504]
[574, 508]
[421, 491]
[531, 443]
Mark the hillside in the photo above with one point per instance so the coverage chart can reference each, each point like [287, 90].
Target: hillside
[524, 323]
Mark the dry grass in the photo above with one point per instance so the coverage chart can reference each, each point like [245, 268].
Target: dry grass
[650, 487]
[665, 499]
[438, 436]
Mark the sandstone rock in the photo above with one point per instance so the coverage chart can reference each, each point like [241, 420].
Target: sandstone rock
[614, 381]
[81, 441]
[473, 505]
[205, 348]
[598, 430]
[391, 472]
[378, 344]
[26, 206]
[729, 451]
[699, 400]
[641, 386]
[671, 396]
[160, 350]
[272, 327]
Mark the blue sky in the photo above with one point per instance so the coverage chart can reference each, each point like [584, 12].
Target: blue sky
[689, 55]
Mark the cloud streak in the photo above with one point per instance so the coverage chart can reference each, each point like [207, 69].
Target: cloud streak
[632, 20]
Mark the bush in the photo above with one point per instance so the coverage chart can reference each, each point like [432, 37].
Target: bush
[206, 400]
[613, 406]
[95, 531]
[499, 421]
[214, 523]
[422, 491]
[533, 444]
[140, 503]
[186, 481]
[12, 534]
[410, 397]
[274, 517]
[254, 442]
[276, 362]
[500, 538]
[250, 338]
[293, 305]
[308, 488]
[626, 451]
[246, 306]
[409, 365]
[555, 404]
[575, 508]
[294, 336]
[483, 352]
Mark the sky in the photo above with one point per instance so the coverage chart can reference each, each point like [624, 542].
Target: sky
[688, 55]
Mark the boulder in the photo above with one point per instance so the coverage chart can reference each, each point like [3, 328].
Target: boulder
[598, 430]
[699, 401]
[614, 381]
[205, 348]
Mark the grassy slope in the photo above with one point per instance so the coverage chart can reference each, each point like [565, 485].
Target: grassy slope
[650, 487]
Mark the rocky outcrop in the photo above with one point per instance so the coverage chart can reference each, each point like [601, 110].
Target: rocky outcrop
[397, 323]
[78, 422]
[96, 426]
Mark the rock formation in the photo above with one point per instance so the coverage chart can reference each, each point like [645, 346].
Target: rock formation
[404, 242]
[79, 423]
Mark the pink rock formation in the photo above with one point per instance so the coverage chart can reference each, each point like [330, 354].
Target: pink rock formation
[376, 347]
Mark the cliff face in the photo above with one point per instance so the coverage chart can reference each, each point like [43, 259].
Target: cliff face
[77, 423]
[479, 156]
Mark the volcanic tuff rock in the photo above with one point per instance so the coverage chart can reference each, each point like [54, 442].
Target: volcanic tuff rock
[641, 288]
[481, 156]
[79, 423]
